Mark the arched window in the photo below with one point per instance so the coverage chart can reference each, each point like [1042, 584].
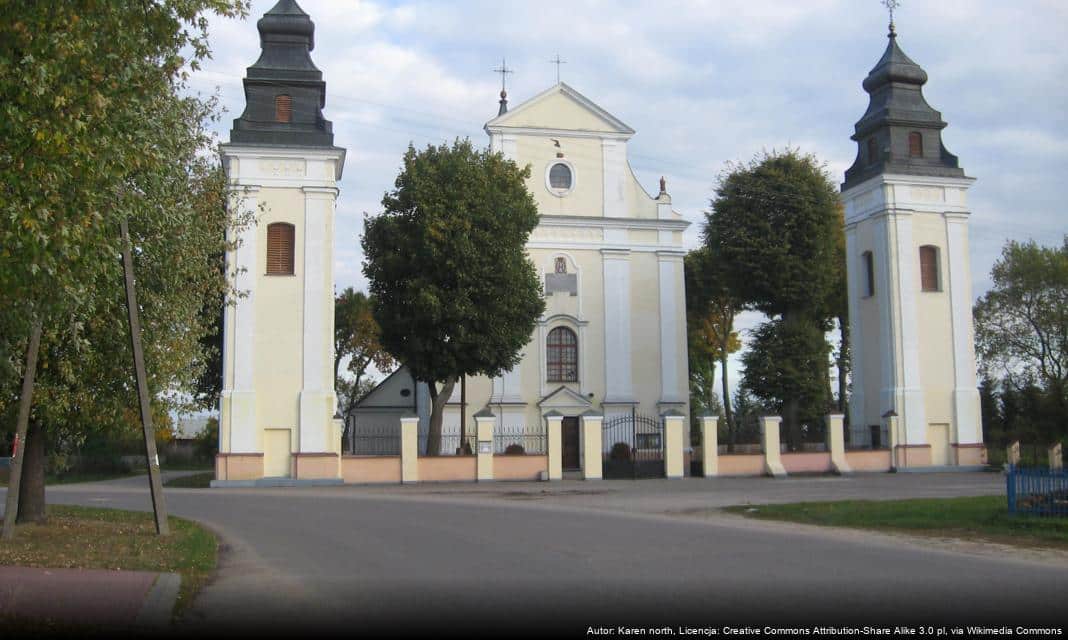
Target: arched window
[562, 347]
[873, 151]
[915, 145]
[283, 108]
[869, 273]
[280, 249]
[929, 268]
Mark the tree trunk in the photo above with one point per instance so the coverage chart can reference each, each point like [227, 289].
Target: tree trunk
[11, 507]
[32, 487]
[437, 412]
[728, 415]
[791, 415]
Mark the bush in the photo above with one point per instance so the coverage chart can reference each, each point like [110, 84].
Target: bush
[620, 451]
[514, 450]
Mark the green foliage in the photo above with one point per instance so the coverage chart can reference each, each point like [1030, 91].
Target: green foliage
[356, 338]
[775, 223]
[710, 312]
[1021, 324]
[93, 130]
[787, 360]
[776, 229]
[455, 292]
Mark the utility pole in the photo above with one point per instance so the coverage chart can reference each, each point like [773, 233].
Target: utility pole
[159, 507]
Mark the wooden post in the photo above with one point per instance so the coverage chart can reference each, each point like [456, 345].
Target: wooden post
[1056, 458]
[11, 506]
[159, 507]
[1012, 454]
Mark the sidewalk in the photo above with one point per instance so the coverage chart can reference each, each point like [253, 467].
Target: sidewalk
[89, 597]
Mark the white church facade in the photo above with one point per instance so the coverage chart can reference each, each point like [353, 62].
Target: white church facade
[611, 343]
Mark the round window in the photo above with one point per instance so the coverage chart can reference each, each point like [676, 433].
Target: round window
[560, 176]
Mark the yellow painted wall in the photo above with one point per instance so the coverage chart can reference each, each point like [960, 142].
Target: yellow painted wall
[587, 195]
[279, 318]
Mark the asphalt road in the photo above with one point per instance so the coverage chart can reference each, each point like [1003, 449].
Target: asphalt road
[484, 557]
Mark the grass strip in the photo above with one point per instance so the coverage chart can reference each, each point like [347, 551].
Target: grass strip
[93, 538]
[984, 518]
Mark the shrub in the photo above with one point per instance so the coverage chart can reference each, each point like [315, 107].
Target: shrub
[620, 451]
[514, 450]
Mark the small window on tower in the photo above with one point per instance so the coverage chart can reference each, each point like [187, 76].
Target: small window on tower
[869, 274]
[283, 108]
[280, 249]
[915, 145]
[873, 151]
[561, 265]
[929, 268]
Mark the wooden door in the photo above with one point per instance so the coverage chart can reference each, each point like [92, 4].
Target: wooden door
[570, 436]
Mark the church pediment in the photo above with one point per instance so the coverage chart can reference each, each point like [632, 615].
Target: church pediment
[561, 108]
[564, 398]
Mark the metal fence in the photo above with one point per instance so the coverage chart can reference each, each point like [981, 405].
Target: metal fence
[451, 445]
[519, 440]
[1037, 491]
[376, 441]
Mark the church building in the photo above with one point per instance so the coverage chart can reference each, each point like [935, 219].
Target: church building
[277, 406]
[910, 294]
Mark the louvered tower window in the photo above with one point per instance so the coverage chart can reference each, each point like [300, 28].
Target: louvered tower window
[283, 108]
[929, 268]
[873, 151]
[562, 346]
[280, 249]
[915, 145]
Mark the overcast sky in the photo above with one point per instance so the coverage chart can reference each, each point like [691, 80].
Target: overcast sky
[702, 83]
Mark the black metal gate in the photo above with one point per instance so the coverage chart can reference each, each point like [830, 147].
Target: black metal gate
[633, 447]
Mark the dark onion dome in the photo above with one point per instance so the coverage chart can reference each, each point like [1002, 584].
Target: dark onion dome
[899, 133]
[284, 90]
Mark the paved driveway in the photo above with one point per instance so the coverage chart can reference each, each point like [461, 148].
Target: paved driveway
[474, 557]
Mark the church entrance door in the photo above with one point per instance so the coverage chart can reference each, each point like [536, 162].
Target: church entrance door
[570, 459]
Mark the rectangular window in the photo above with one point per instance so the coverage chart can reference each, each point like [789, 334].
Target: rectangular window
[929, 268]
[280, 249]
[869, 274]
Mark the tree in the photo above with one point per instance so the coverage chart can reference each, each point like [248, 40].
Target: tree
[356, 339]
[455, 292]
[94, 132]
[1021, 324]
[776, 225]
[711, 338]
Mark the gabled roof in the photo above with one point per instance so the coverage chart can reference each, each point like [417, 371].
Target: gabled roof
[517, 117]
[564, 398]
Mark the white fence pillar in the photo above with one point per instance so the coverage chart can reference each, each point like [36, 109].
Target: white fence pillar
[836, 443]
[709, 446]
[409, 449]
[769, 429]
[591, 423]
[674, 423]
[554, 426]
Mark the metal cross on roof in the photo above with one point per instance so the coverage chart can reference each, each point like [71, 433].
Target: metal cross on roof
[890, 6]
[503, 70]
[557, 61]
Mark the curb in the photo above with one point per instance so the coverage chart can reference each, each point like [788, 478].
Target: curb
[159, 604]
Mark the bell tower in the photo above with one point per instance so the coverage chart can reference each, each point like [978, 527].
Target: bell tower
[276, 423]
[909, 278]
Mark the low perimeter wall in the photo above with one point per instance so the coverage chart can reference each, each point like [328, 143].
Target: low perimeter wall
[741, 464]
[868, 460]
[806, 462]
[515, 467]
[371, 469]
[448, 468]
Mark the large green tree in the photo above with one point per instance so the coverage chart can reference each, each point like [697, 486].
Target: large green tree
[94, 130]
[356, 342]
[456, 294]
[776, 225]
[1021, 331]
